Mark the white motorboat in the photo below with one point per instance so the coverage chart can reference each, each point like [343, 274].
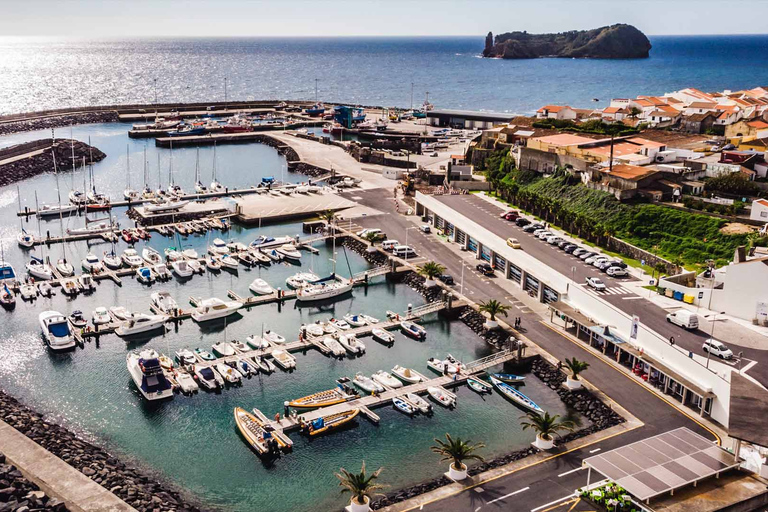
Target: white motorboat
[51, 210]
[161, 271]
[77, 197]
[289, 252]
[371, 320]
[413, 330]
[273, 337]
[273, 255]
[164, 302]
[324, 290]
[181, 268]
[140, 323]
[301, 279]
[65, 268]
[120, 312]
[285, 360]
[231, 375]
[355, 320]
[196, 267]
[211, 263]
[186, 382]
[264, 364]
[112, 261]
[340, 324]
[218, 247]
[45, 289]
[268, 241]
[352, 344]
[256, 342]
[70, 287]
[223, 349]
[259, 256]
[208, 378]
[28, 292]
[38, 269]
[56, 331]
[131, 258]
[420, 404]
[246, 367]
[405, 374]
[100, 316]
[367, 384]
[186, 357]
[235, 246]
[171, 254]
[144, 275]
[246, 258]
[229, 262]
[314, 329]
[214, 308]
[328, 328]
[92, 264]
[148, 375]
[261, 287]
[77, 319]
[25, 240]
[85, 282]
[441, 396]
[441, 366]
[455, 362]
[151, 256]
[239, 346]
[190, 253]
[386, 379]
[161, 206]
[383, 336]
[334, 346]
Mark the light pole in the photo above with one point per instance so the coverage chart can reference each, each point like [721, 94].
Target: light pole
[568, 286]
[462, 276]
[406, 239]
[712, 335]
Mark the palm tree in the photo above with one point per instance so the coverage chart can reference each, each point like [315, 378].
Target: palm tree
[546, 427]
[362, 485]
[328, 216]
[576, 367]
[493, 308]
[431, 270]
[457, 450]
[371, 238]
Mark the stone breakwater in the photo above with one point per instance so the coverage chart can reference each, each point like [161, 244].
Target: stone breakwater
[34, 165]
[17, 494]
[600, 417]
[133, 486]
[58, 121]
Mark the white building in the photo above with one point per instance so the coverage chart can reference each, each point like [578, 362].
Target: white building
[759, 210]
[556, 112]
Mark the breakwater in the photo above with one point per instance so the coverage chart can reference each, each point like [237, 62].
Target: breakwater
[33, 158]
[57, 121]
[132, 485]
[17, 493]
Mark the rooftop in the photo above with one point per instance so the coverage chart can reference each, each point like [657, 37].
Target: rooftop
[629, 172]
[564, 139]
[474, 114]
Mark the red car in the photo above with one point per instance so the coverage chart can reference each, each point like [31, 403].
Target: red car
[511, 215]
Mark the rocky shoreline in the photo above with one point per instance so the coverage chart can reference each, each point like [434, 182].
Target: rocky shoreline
[42, 163]
[132, 485]
[58, 121]
[17, 494]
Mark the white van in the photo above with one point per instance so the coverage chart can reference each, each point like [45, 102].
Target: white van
[403, 251]
[684, 318]
[388, 245]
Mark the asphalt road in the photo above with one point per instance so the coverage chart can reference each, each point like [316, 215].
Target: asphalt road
[650, 314]
[540, 486]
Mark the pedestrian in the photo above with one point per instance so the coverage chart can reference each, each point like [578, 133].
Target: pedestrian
[559, 365]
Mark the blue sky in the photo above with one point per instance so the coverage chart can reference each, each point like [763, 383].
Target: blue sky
[114, 18]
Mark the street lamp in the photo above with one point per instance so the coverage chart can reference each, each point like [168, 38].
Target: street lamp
[568, 285]
[462, 276]
[406, 239]
[712, 335]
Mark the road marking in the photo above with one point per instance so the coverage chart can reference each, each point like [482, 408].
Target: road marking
[569, 472]
[502, 498]
[595, 450]
[750, 365]
[635, 297]
[556, 502]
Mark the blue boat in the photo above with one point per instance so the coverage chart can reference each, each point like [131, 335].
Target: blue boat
[315, 110]
[185, 132]
[7, 271]
[509, 378]
[403, 406]
[268, 179]
[516, 396]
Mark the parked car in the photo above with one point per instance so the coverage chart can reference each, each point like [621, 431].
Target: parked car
[513, 243]
[510, 215]
[583, 256]
[717, 348]
[537, 232]
[596, 259]
[619, 263]
[404, 251]
[578, 251]
[616, 272]
[522, 222]
[570, 248]
[684, 318]
[425, 228]
[543, 235]
[596, 283]
[605, 265]
[530, 228]
[554, 240]
[563, 243]
[388, 245]
[485, 269]
[446, 278]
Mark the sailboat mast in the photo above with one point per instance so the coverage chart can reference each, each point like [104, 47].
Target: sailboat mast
[128, 165]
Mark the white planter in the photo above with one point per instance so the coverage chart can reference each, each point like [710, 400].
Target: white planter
[356, 507]
[429, 283]
[491, 324]
[457, 474]
[543, 444]
[370, 249]
[572, 383]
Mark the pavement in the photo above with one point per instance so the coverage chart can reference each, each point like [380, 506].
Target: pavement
[550, 482]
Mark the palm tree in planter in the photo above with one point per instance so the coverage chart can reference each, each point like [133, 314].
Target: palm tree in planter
[493, 308]
[546, 428]
[431, 270]
[457, 450]
[362, 485]
[576, 367]
[328, 216]
[371, 238]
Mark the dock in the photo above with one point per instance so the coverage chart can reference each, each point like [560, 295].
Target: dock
[209, 139]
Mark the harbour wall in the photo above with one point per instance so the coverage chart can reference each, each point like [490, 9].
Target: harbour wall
[40, 158]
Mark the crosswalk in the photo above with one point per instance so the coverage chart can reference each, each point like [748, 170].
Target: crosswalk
[611, 290]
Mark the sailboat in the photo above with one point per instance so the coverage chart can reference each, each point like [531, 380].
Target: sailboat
[173, 189]
[327, 287]
[62, 265]
[147, 192]
[25, 240]
[215, 185]
[50, 210]
[199, 187]
[129, 194]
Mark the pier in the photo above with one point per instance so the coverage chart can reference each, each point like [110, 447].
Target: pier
[217, 138]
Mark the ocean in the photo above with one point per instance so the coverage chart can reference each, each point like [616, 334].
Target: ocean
[40, 74]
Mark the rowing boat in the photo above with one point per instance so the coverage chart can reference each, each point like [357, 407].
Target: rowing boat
[509, 378]
[479, 386]
[516, 396]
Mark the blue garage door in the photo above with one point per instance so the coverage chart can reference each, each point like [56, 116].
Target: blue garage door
[501, 263]
[448, 230]
[515, 273]
[472, 244]
[485, 253]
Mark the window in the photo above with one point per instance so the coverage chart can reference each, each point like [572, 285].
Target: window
[764, 214]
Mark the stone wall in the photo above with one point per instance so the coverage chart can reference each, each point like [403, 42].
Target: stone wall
[17, 494]
[43, 162]
[57, 121]
[616, 245]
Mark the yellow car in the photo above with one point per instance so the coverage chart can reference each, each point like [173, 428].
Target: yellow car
[513, 243]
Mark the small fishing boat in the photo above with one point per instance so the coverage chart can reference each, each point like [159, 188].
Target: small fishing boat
[383, 336]
[355, 320]
[86, 283]
[235, 246]
[264, 365]
[239, 346]
[301, 279]
[283, 359]
[371, 320]
[144, 275]
[479, 386]
[274, 255]
[441, 396]
[161, 271]
[131, 258]
[140, 323]
[246, 258]
[228, 262]
[166, 362]
[245, 368]
[120, 312]
[334, 346]
[77, 319]
[261, 287]
[289, 252]
[182, 268]
[218, 247]
[196, 267]
[260, 257]
[386, 379]
[314, 329]
[208, 378]
[516, 396]
[255, 434]
[367, 384]
[273, 337]
[185, 357]
[204, 355]
[413, 330]
[328, 328]
[341, 393]
[69, 287]
[403, 406]
[256, 342]
[230, 375]
[441, 366]
[509, 378]
[171, 254]
[405, 374]
[44, 288]
[352, 344]
[164, 302]
[223, 349]
[92, 264]
[151, 256]
[211, 263]
[100, 316]
[455, 362]
[28, 292]
[328, 423]
[186, 382]
[420, 404]
[190, 253]
[340, 324]
[56, 331]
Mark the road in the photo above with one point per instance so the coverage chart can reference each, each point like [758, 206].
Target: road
[535, 487]
[624, 298]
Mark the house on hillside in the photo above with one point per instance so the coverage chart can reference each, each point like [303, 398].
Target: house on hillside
[698, 123]
[561, 112]
[746, 129]
[759, 210]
